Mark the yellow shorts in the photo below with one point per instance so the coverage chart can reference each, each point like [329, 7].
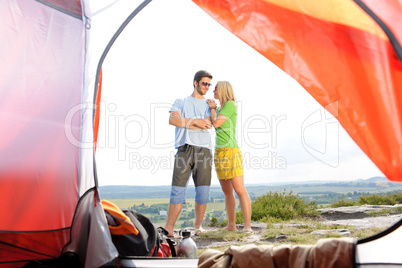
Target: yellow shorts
[228, 163]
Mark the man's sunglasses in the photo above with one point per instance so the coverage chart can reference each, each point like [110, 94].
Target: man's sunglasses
[206, 84]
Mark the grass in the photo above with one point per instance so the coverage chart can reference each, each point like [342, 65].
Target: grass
[125, 203]
[289, 219]
[217, 206]
[293, 232]
[222, 235]
[385, 212]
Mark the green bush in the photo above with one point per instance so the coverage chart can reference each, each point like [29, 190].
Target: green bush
[398, 198]
[343, 203]
[378, 199]
[214, 222]
[276, 206]
[239, 217]
[373, 199]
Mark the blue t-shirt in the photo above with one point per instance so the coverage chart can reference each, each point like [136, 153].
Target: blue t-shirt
[192, 108]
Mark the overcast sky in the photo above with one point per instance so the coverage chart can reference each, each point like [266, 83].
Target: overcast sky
[284, 134]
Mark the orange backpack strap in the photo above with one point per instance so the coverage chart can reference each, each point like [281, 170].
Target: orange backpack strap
[125, 225]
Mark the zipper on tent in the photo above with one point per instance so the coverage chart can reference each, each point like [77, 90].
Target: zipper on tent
[394, 42]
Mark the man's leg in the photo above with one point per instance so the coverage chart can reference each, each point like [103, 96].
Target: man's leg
[199, 214]
[173, 214]
[177, 199]
[181, 174]
[202, 182]
[201, 202]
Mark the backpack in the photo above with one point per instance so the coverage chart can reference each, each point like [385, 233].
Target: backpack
[133, 234]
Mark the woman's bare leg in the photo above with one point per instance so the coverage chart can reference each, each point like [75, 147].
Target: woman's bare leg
[230, 203]
[244, 198]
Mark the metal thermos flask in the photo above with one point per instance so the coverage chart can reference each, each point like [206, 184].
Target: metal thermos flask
[187, 247]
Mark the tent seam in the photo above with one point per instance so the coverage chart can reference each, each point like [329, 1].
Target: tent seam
[394, 42]
[60, 9]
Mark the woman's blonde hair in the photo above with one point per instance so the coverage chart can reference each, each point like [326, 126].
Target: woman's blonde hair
[225, 92]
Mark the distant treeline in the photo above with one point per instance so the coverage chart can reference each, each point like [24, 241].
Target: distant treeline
[321, 192]
[331, 197]
[138, 192]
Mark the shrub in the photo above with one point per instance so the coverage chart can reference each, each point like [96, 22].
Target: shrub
[398, 198]
[343, 203]
[214, 222]
[276, 206]
[377, 200]
[239, 217]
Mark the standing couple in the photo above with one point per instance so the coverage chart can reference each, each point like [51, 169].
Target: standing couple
[192, 117]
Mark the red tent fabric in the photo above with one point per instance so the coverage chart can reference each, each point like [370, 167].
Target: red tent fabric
[340, 54]
[49, 201]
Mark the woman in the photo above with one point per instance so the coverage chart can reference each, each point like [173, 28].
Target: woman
[228, 158]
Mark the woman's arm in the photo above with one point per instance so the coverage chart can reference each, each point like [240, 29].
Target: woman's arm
[217, 121]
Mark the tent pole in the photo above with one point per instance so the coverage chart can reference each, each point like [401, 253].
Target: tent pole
[110, 44]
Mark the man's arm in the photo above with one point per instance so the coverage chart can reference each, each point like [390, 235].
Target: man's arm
[177, 120]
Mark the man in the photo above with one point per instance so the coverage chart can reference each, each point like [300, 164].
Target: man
[191, 117]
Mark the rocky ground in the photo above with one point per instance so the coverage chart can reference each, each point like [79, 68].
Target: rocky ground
[360, 217]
